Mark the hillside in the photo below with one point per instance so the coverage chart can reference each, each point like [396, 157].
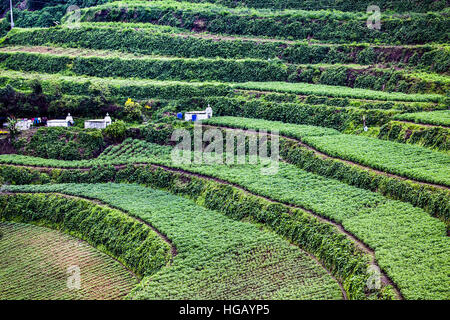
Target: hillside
[350, 124]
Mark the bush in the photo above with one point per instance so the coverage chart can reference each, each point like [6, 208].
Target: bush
[115, 131]
[132, 111]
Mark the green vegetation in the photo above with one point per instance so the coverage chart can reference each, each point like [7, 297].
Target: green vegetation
[63, 143]
[149, 68]
[405, 160]
[338, 102]
[138, 89]
[131, 242]
[345, 5]
[286, 129]
[439, 118]
[314, 72]
[28, 271]
[367, 215]
[336, 91]
[323, 25]
[106, 64]
[432, 137]
[216, 256]
[144, 38]
[348, 264]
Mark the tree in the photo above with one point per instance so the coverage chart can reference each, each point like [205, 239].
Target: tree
[12, 127]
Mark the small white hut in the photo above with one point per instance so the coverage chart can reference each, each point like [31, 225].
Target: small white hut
[198, 115]
[98, 123]
[61, 122]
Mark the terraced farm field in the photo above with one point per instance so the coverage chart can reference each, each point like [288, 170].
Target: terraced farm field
[36, 264]
[335, 118]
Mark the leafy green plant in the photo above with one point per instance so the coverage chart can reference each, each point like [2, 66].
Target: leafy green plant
[12, 128]
[116, 131]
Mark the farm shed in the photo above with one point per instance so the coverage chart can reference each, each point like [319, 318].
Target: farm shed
[198, 115]
[98, 123]
[61, 122]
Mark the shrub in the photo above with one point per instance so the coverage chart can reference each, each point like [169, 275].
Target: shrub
[116, 131]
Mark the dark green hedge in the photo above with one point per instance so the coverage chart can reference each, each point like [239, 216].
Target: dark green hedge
[321, 239]
[161, 69]
[127, 39]
[333, 26]
[432, 137]
[131, 242]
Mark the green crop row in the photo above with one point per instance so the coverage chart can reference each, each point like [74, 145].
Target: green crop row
[410, 161]
[360, 5]
[217, 257]
[329, 25]
[439, 118]
[276, 97]
[390, 227]
[297, 113]
[337, 91]
[142, 89]
[286, 129]
[139, 38]
[131, 242]
[149, 68]
[433, 200]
